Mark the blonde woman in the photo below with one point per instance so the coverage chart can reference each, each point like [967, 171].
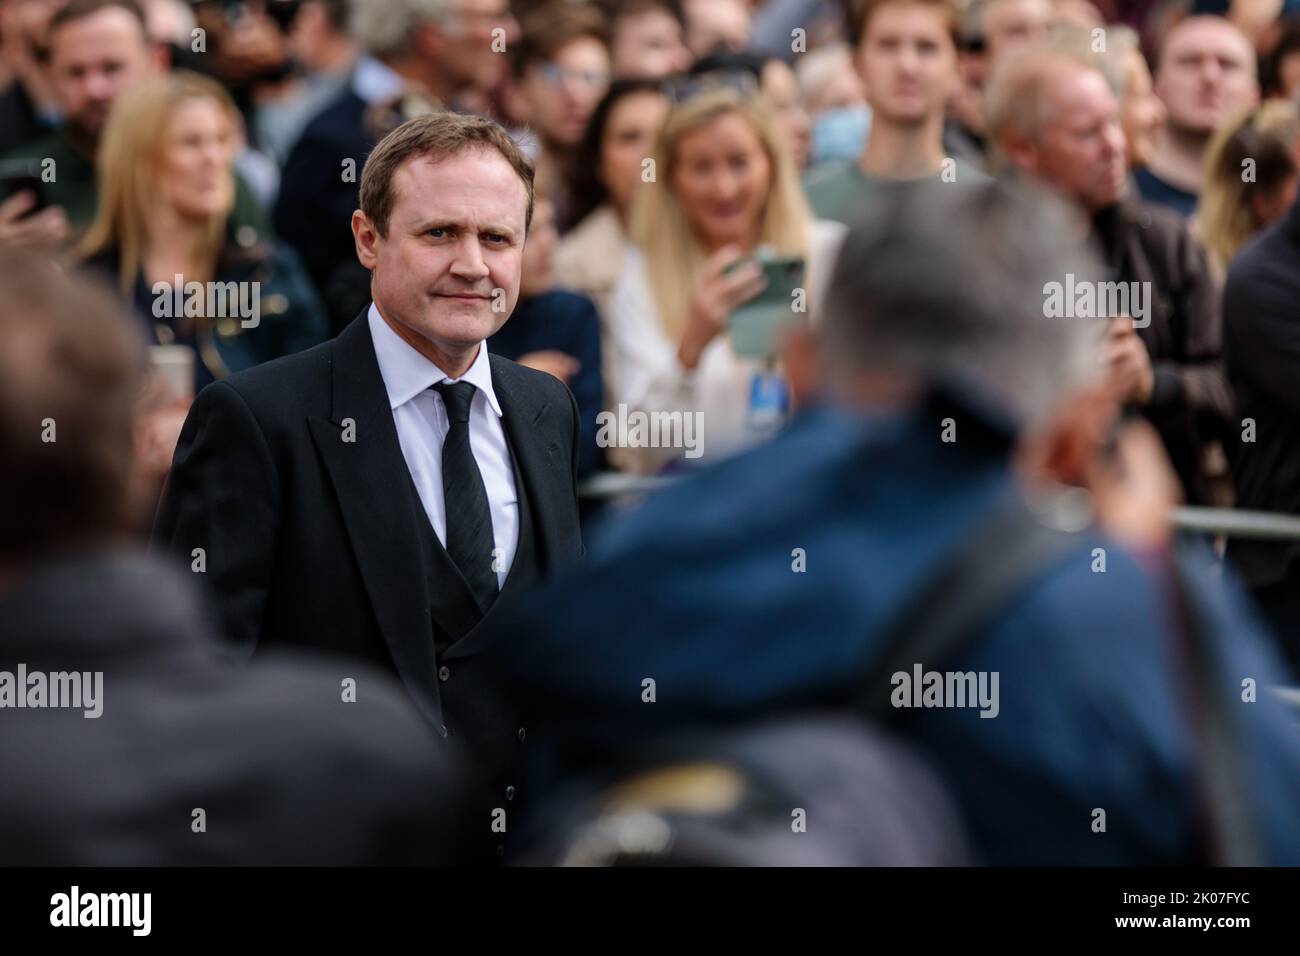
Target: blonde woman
[1252, 166]
[166, 190]
[724, 186]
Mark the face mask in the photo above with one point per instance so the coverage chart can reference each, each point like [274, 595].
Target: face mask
[840, 133]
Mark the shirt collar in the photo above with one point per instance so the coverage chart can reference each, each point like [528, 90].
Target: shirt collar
[374, 82]
[407, 373]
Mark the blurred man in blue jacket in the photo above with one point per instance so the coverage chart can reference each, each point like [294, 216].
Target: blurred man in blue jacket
[770, 583]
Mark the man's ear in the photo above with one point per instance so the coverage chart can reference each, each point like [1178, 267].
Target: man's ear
[803, 363]
[366, 237]
[1067, 446]
[1022, 154]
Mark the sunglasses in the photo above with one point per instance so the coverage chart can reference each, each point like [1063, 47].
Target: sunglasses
[680, 89]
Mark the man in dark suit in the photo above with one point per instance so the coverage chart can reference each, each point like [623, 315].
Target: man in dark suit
[127, 740]
[375, 495]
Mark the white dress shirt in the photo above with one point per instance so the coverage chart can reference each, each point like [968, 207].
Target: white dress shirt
[421, 420]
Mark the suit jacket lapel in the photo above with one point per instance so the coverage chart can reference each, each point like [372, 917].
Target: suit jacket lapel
[542, 463]
[360, 450]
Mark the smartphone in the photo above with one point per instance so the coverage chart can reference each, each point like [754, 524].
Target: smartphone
[17, 175]
[755, 327]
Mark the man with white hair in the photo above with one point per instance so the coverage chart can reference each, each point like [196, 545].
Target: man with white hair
[1054, 117]
[793, 577]
[1205, 75]
[417, 54]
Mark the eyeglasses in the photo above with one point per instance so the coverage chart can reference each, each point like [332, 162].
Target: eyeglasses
[555, 75]
[682, 88]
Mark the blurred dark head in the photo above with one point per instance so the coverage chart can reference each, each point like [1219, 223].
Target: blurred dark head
[560, 70]
[948, 285]
[98, 48]
[1279, 71]
[717, 24]
[646, 38]
[620, 134]
[69, 374]
[454, 45]
[24, 30]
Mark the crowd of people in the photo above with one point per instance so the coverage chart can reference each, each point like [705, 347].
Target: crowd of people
[333, 303]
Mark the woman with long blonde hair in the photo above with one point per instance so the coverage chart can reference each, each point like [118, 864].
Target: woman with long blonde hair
[164, 237]
[1252, 166]
[723, 189]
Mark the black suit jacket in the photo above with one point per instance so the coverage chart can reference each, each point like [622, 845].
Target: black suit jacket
[285, 769]
[290, 478]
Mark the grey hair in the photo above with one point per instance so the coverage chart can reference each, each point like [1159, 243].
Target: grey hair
[948, 283]
[384, 28]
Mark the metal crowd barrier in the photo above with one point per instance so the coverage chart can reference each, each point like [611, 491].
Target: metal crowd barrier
[1229, 522]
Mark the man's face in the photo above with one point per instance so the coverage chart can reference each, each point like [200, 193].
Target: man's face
[713, 24]
[908, 62]
[1012, 23]
[92, 60]
[24, 26]
[648, 45]
[468, 56]
[1206, 75]
[558, 96]
[1081, 146]
[454, 249]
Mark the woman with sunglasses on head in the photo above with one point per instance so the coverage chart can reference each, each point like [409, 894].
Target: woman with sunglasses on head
[724, 198]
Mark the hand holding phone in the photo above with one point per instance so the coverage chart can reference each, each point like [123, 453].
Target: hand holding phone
[729, 278]
[23, 221]
[756, 325]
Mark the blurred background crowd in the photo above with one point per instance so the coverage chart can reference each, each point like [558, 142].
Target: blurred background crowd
[223, 141]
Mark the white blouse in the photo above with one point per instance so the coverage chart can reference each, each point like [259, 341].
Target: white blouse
[647, 377]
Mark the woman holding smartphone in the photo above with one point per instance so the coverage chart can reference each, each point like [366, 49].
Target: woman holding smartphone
[725, 194]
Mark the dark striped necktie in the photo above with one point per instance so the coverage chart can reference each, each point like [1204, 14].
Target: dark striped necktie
[469, 519]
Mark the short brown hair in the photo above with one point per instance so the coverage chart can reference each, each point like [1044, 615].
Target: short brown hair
[80, 9]
[69, 377]
[548, 29]
[438, 136]
[861, 12]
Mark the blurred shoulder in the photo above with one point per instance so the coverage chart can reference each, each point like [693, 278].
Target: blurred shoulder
[283, 388]
[832, 174]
